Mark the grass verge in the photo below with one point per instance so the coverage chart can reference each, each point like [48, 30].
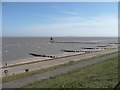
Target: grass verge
[100, 75]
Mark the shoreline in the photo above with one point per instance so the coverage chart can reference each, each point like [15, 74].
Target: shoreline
[37, 64]
[38, 59]
[41, 59]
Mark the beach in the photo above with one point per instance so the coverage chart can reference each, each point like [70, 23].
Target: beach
[36, 63]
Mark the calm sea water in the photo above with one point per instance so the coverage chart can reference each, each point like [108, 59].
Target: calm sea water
[14, 48]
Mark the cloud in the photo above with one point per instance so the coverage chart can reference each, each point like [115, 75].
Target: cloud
[102, 25]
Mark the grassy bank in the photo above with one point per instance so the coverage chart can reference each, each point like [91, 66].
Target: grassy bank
[18, 76]
[100, 75]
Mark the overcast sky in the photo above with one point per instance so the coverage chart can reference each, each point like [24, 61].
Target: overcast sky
[60, 19]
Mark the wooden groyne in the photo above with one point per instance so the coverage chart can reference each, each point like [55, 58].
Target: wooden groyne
[42, 55]
[66, 50]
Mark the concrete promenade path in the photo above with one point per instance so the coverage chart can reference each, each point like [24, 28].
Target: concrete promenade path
[30, 79]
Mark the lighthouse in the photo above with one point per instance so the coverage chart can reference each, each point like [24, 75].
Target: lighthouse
[51, 39]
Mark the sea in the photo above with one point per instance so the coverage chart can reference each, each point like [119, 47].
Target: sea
[16, 48]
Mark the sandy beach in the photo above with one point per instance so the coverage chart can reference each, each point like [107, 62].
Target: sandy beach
[36, 63]
[38, 59]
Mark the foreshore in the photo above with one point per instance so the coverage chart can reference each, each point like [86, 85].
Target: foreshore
[38, 59]
[36, 63]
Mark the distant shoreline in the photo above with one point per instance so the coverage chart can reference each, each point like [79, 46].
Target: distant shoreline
[59, 36]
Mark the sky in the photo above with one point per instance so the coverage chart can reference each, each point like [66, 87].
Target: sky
[60, 19]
